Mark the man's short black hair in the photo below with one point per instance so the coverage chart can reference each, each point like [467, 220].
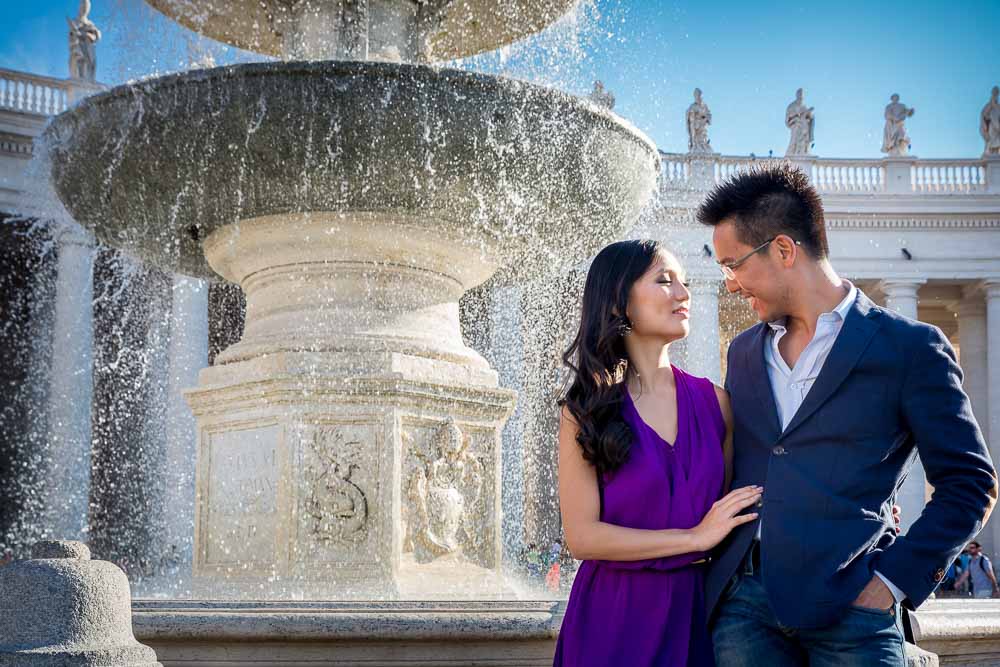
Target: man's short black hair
[765, 201]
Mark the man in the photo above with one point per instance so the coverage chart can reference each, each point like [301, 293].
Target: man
[980, 572]
[832, 397]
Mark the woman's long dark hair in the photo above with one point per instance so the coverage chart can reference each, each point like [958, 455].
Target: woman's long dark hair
[597, 356]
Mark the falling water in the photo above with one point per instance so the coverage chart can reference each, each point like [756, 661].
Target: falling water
[140, 485]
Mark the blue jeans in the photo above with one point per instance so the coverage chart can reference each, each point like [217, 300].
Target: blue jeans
[746, 634]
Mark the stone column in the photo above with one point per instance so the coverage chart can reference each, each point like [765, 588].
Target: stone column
[991, 288]
[972, 347]
[971, 313]
[66, 483]
[679, 354]
[703, 356]
[901, 296]
[28, 264]
[492, 321]
[132, 309]
[550, 309]
[506, 347]
[188, 353]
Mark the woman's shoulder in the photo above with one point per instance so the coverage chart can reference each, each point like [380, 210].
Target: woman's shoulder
[713, 393]
[703, 383]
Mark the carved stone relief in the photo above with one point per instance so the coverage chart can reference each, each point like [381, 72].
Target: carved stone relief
[338, 492]
[446, 482]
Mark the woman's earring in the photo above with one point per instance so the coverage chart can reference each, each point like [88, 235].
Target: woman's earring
[624, 327]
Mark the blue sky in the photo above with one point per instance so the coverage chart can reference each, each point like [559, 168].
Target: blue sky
[748, 58]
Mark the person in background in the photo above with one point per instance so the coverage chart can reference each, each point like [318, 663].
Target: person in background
[963, 565]
[980, 573]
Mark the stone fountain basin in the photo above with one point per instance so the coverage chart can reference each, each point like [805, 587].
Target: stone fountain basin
[532, 178]
[466, 27]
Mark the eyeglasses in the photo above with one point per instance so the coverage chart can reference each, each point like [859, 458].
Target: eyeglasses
[729, 269]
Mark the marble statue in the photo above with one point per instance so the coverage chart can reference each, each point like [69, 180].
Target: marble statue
[989, 124]
[83, 38]
[800, 120]
[601, 96]
[895, 142]
[443, 484]
[698, 119]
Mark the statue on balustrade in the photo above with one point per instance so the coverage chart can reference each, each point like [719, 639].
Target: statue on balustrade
[83, 38]
[602, 96]
[800, 120]
[895, 142]
[989, 124]
[698, 120]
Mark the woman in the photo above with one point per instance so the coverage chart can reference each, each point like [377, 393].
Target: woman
[644, 455]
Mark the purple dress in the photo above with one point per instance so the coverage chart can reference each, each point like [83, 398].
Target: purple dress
[651, 612]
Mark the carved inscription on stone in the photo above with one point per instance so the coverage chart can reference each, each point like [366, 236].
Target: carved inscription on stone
[241, 494]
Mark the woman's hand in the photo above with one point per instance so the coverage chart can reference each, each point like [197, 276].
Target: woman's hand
[722, 518]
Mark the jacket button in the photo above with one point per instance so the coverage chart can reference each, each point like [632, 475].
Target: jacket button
[779, 451]
[939, 575]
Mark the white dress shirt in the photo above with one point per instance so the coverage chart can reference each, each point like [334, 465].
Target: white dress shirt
[790, 386]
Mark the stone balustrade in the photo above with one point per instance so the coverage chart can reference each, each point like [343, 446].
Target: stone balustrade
[29, 93]
[832, 175]
[15, 145]
[961, 176]
[674, 169]
[839, 175]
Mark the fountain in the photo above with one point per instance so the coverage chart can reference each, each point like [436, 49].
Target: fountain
[348, 444]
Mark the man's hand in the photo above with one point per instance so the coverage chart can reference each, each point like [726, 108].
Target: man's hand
[897, 518]
[876, 595]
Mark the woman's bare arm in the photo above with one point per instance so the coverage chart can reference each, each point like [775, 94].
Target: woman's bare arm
[588, 538]
[727, 444]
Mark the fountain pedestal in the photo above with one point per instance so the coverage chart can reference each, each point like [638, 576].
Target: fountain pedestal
[348, 445]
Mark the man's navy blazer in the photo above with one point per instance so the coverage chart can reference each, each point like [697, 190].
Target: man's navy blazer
[889, 389]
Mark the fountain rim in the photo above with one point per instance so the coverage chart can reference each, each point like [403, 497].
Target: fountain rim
[135, 107]
[449, 75]
[519, 32]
